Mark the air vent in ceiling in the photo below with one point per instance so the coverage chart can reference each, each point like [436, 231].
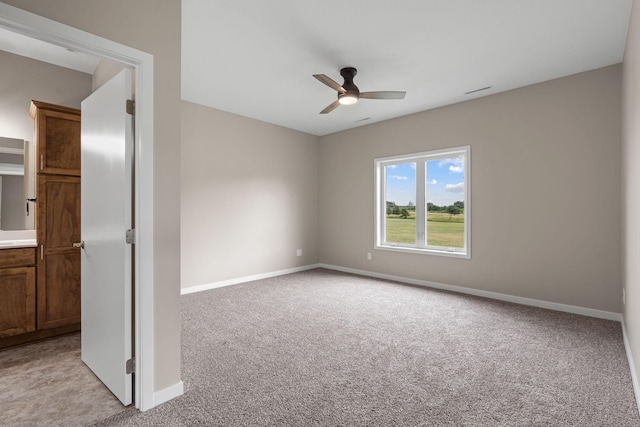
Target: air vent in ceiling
[478, 90]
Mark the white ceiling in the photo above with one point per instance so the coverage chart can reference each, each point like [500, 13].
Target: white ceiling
[46, 52]
[256, 58]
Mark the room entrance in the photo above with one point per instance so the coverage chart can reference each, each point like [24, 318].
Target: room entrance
[28, 24]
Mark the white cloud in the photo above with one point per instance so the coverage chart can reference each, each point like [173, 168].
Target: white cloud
[392, 166]
[398, 177]
[455, 188]
[433, 181]
[456, 164]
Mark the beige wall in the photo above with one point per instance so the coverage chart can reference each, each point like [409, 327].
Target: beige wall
[104, 72]
[248, 196]
[152, 26]
[545, 191]
[631, 184]
[22, 80]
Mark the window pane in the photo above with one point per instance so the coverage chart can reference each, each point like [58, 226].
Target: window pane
[445, 202]
[400, 200]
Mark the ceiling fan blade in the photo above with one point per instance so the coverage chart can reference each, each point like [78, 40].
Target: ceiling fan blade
[330, 107]
[329, 82]
[383, 95]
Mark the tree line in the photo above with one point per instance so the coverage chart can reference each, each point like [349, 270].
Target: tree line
[455, 209]
[403, 211]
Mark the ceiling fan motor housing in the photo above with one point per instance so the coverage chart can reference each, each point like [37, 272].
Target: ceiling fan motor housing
[348, 73]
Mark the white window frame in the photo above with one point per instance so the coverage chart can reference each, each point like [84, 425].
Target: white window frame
[420, 247]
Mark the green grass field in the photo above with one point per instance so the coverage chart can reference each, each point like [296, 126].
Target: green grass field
[400, 230]
[442, 229]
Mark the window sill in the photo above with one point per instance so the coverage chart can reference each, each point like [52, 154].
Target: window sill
[421, 251]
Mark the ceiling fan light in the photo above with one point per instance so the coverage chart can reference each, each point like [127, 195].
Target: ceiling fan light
[348, 99]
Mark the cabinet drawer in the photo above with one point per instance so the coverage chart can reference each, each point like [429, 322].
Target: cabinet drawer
[20, 257]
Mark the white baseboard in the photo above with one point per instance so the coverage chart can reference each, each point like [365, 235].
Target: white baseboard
[166, 394]
[214, 285]
[632, 366]
[600, 314]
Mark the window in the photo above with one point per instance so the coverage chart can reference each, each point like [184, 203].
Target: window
[422, 203]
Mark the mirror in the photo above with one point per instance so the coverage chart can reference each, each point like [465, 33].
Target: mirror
[16, 185]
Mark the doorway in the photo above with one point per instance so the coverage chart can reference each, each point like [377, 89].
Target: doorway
[37, 27]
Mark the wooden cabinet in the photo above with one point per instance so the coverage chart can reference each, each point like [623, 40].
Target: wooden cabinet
[57, 133]
[17, 291]
[58, 228]
[57, 136]
[40, 287]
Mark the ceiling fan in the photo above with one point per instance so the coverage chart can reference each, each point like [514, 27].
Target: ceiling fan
[348, 93]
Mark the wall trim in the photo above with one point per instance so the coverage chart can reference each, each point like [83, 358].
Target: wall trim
[168, 393]
[600, 314]
[632, 366]
[214, 285]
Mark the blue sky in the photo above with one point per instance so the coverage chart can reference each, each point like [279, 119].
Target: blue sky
[445, 182]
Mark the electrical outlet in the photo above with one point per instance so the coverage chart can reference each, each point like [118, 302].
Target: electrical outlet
[369, 256]
[624, 297]
[299, 252]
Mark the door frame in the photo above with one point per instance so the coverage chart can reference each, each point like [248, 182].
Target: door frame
[44, 29]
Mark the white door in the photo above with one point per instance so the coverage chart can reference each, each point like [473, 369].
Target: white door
[106, 215]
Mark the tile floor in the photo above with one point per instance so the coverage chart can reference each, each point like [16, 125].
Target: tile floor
[46, 384]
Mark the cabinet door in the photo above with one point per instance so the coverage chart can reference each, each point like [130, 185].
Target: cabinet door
[58, 137]
[58, 216]
[17, 301]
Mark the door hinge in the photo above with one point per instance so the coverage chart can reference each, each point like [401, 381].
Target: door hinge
[130, 367]
[130, 236]
[131, 107]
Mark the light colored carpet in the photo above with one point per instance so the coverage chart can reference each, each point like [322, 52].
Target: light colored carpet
[46, 384]
[326, 348]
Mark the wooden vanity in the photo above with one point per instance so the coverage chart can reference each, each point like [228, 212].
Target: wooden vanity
[40, 286]
[18, 291]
